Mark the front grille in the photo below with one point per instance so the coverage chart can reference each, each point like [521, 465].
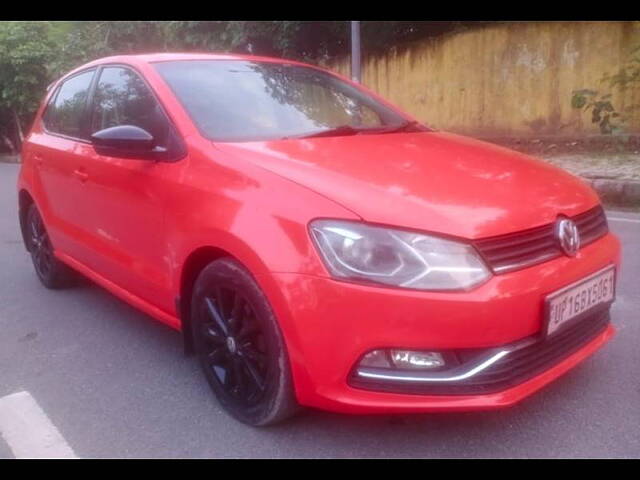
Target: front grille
[514, 251]
[528, 358]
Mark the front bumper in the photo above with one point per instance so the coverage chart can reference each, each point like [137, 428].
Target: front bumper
[488, 370]
[328, 325]
[360, 401]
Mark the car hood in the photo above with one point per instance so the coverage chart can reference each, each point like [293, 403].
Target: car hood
[432, 181]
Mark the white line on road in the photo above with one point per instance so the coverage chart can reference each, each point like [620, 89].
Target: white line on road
[618, 219]
[28, 431]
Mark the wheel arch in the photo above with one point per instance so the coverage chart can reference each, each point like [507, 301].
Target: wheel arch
[195, 262]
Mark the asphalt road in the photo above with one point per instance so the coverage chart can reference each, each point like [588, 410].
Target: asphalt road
[116, 384]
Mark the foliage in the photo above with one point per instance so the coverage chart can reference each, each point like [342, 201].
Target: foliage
[33, 54]
[603, 111]
[25, 53]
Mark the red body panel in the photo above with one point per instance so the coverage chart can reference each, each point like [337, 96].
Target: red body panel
[131, 225]
[430, 181]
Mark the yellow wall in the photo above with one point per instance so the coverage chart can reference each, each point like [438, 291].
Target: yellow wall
[512, 79]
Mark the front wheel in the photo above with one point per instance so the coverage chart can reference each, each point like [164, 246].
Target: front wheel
[240, 346]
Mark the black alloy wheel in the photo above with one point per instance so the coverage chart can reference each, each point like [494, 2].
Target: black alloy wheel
[236, 350]
[239, 345]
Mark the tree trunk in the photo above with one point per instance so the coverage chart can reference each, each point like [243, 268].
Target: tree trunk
[19, 136]
[7, 141]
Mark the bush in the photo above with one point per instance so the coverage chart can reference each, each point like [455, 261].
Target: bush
[603, 112]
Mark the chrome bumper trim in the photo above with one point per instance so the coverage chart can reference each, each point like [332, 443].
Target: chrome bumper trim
[396, 376]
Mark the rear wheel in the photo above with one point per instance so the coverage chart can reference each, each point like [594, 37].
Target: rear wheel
[51, 271]
[240, 346]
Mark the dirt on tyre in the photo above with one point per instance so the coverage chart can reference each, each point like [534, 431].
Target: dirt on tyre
[52, 272]
[240, 346]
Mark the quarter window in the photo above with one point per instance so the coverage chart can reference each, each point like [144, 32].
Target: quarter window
[122, 98]
[65, 113]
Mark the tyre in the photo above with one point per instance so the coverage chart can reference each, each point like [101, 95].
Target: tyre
[239, 345]
[51, 271]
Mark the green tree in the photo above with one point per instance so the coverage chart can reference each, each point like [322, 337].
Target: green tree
[33, 54]
[25, 53]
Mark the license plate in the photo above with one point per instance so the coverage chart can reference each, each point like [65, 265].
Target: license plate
[579, 298]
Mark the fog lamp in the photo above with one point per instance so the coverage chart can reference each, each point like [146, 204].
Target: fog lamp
[416, 360]
[403, 359]
[376, 358]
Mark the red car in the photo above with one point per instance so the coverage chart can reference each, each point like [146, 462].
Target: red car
[314, 244]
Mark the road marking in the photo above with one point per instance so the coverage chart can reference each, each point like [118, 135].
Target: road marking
[28, 431]
[618, 219]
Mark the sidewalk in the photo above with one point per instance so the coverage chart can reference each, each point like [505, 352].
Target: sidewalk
[616, 177]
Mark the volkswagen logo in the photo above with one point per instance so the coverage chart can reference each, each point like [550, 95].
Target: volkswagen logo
[568, 237]
[231, 344]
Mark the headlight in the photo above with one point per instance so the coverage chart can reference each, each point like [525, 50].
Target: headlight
[358, 252]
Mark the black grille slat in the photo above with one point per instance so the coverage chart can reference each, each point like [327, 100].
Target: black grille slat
[515, 367]
[514, 251]
[594, 212]
[545, 352]
[585, 231]
[593, 238]
[515, 240]
[594, 231]
[533, 250]
[588, 222]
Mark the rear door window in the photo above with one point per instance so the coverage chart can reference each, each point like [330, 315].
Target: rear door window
[66, 112]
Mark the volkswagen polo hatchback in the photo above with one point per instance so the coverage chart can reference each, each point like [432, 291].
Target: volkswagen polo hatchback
[314, 244]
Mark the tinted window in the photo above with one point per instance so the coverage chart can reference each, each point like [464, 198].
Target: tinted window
[66, 111]
[122, 98]
[235, 100]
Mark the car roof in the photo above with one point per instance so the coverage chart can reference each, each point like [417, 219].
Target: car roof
[167, 57]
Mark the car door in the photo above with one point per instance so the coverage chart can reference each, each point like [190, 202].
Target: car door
[57, 150]
[126, 196]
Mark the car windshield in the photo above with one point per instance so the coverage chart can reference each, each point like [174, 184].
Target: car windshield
[238, 100]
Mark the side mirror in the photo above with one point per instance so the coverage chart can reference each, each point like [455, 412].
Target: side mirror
[126, 141]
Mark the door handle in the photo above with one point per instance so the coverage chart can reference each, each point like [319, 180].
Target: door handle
[38, 160]
[81, 175]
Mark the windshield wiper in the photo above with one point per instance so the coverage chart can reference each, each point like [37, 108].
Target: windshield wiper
[330, 132]
[408, 126]
[343, 130]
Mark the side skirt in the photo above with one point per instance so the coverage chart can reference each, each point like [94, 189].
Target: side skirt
[122, 294]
